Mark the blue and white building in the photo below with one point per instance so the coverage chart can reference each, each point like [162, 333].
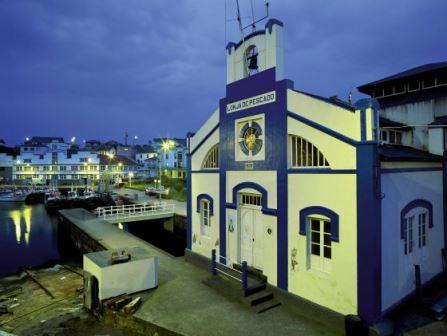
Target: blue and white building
[299, 187]
[171, 156]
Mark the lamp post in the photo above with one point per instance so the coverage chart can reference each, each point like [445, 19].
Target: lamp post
[111, 156]
[166, 146]
[130, 179]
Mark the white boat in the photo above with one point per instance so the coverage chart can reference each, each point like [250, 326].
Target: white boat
[72, 195]
[88, 194]
[157, 191]
[16, 196]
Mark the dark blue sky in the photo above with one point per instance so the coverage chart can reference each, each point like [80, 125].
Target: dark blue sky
[94, 69]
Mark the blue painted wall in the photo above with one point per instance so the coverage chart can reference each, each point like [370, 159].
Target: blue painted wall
[275, 115]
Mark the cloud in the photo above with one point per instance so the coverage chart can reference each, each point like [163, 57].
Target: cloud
[95, 69]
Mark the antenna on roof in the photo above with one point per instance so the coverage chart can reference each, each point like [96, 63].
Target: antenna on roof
[253, 57]
[254, 21]
[350, 98]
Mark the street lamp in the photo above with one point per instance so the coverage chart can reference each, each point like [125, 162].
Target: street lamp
[110, 155]
[130, 179]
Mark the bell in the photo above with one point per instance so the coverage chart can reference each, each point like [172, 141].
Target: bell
[253, 65]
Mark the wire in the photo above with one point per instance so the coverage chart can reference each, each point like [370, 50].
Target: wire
[407, 126]
[225, 22]
[253, 15]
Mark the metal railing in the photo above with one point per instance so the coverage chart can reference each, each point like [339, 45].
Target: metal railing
[135, 210]
[244, 273]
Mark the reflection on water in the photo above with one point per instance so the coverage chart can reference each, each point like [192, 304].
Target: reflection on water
[28, 236]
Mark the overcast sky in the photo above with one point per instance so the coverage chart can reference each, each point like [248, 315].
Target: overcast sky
[95, 69]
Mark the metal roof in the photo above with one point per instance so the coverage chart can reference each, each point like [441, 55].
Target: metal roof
[405, 153]
[407, 73]
[385, 122]
[440, 121]
[105, 160]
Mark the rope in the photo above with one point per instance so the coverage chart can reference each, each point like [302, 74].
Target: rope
[40, 308]
[220, 271]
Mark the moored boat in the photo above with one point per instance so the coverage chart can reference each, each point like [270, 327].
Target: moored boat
[15, 196]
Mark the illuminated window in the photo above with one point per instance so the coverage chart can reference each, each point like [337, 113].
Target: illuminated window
[211, 160]
[319, 244]
[302, 153]
[205, 217]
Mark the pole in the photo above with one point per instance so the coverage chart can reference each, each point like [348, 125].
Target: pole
[244, 277]
[213, 262]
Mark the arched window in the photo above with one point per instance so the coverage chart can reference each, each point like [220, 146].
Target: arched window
[302, 153]
[211, 160]
[415, 218]
[206, 209]
[251, 61]
[320, 225]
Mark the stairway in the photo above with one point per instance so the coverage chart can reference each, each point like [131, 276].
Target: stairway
[257, 297]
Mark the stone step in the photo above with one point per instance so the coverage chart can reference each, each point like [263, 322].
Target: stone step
[255, 287]
[259, 297]
[266, 305]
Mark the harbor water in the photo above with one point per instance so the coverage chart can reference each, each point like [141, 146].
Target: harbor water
[28, 236]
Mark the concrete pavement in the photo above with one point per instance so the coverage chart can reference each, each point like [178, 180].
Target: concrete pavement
[183, 304]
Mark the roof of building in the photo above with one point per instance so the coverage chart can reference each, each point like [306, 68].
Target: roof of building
[385, 122]
[96, 142]
[334, 100]
[44, 140]
[145, 149]
[440, 121]
[112, 143]
[405, 153]
[8, 150]
[407, 73]
[105, 160]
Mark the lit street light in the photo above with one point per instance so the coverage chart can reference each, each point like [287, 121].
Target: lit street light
[130, 179]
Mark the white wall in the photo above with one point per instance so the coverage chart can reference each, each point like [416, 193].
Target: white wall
[205, 184]
[337, 289]
[212, 121]
[339, 154]
[331, 116]
[397, 269]
[436, 140]
[199, 155]
[130, 277]
[270, 54]
[420, 113]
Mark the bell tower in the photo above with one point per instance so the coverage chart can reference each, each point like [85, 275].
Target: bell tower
[256, 52]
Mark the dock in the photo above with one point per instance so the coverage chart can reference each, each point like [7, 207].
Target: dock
[182, 303]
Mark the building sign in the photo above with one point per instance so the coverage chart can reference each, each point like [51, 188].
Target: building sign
[262, 99]
[249, 165]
